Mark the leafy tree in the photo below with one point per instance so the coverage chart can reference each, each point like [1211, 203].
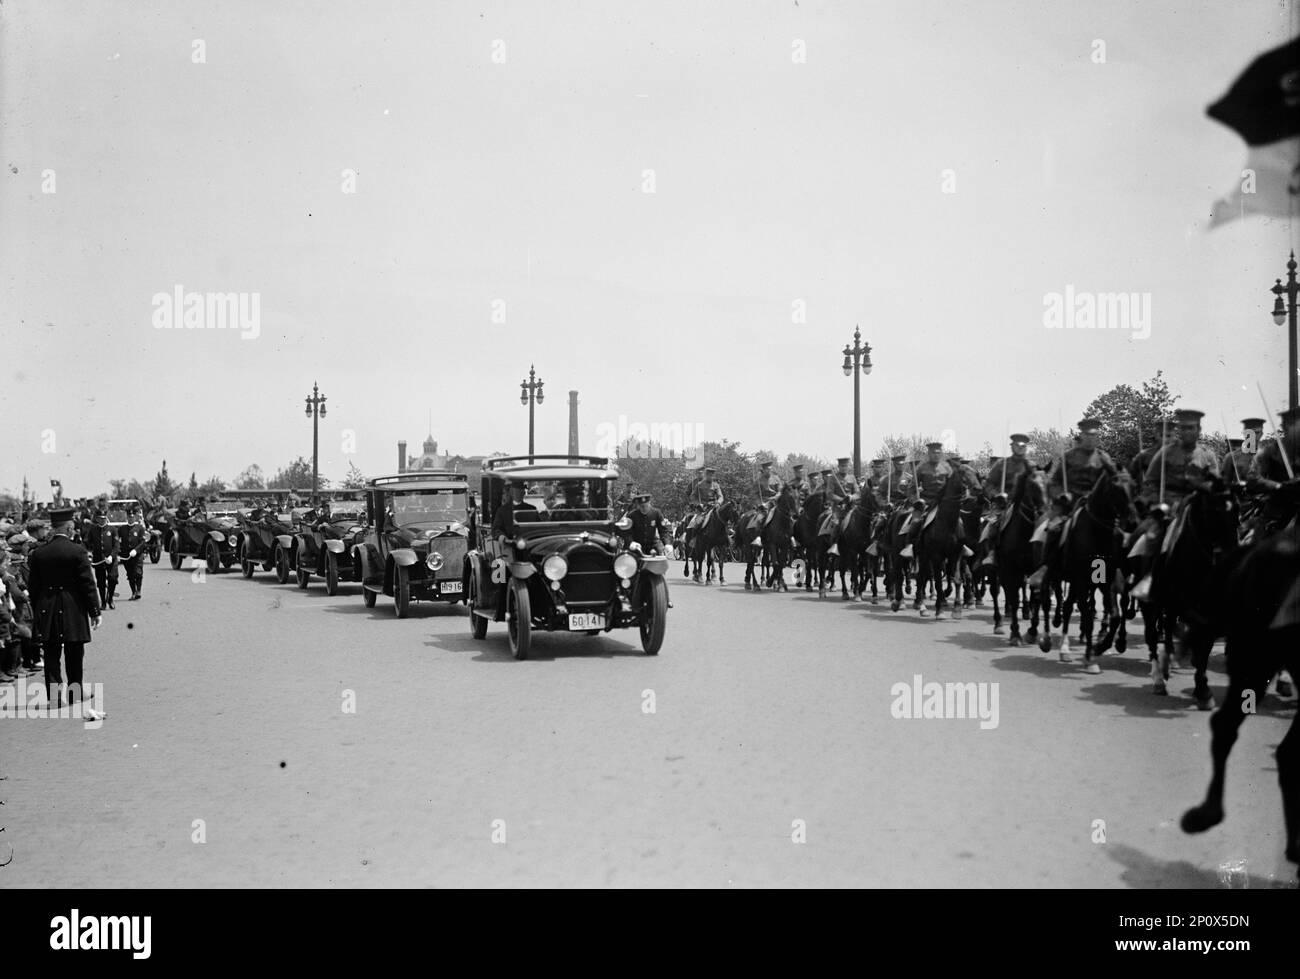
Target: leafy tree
[982, 462]
[354, 479]
[1047, 445]
[811, 464]
[194, 484]
[297, 475]
[214, 486]
[162, 483]
[251, 478]
[912, 446]
[1130, 418]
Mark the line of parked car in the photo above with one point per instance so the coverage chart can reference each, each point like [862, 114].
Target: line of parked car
[427, 536]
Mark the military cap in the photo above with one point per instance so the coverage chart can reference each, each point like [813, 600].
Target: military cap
[1253, 423]
[901, 458]
[879, 462]
[993, 459]
[934, 445]
[766, 464]
[641, 496]
[1187, 415]
[798, 467]
[1290, 415]
[709, 469]
[1019, 438]
[61, 514]
[827, 472]
[1089, 425]
[1235, 443]
[843, 460]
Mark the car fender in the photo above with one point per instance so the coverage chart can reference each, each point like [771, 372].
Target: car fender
[217, 536]
[334, 546]
[403, 557]
[655, 564]
[285, 541]
[523, 570]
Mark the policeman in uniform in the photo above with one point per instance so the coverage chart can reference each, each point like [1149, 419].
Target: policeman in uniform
[103, 545]
[648, 529]
[1185, 464]
[66, 606]
[134, 543]
[1270, 479]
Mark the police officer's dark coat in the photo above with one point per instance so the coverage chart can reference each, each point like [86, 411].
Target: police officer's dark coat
[63, 592]
[647, 529]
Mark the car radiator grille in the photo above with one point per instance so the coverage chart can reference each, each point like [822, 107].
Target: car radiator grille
[591, 577]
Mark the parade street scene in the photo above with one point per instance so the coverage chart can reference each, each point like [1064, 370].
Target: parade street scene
[740, 445]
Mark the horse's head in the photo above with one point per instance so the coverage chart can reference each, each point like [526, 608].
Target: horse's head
[727, 512]
[1213, 511]
[1111, 498]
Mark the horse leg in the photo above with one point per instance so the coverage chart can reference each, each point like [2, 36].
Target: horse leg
[995, 589]
[1288, 777]
[722, 565]
[1201, 647]
[1223, 735]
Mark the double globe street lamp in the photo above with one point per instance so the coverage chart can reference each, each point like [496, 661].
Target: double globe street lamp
[315, 411]
[859, 355]
[530, 393]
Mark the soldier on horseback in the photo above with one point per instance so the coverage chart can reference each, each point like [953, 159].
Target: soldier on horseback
[767, 487]
[897, 484]
[704, 495]
[931, 477]
[1002, 476]
[1269, 475]
[800, 484]
[1069, 480]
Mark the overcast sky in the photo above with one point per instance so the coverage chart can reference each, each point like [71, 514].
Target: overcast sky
[521, 180]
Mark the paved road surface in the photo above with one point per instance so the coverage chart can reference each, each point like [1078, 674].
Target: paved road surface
[225, 704]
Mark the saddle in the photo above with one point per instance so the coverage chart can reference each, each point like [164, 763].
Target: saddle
[697, 521]
[827, 526]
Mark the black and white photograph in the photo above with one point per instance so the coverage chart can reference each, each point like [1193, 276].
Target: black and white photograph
[624, 445]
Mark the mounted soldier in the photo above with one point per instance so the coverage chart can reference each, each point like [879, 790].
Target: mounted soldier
[930, 478]
[1236, 463]
[705, 494]
[1181, 466]
[767, 487]
[800, 484]
[896, 487]
[841, 485]
[1271, 479]
[1069, 479]
[999, 482]
[1137, 467]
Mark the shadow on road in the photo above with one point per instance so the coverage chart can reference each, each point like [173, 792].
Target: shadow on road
[546, 647]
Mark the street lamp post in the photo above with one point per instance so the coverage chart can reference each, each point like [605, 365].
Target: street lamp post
[315, 411]
[1286, 314]
[859, 355]
[530, 393]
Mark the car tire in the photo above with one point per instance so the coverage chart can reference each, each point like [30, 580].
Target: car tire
[331, 574]
[155, 554]
[174, 554]
[477, 623]
[401, 592]
[656, 607]
[519, 619]
[212, 556]
[304, 577]
[368, 597]
[281, 566]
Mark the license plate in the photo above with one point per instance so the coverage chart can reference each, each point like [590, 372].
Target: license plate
[451, 587]
[586, 620]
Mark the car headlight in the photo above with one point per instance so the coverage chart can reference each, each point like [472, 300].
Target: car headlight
[555, 567]
[434, 560]
[625, 565]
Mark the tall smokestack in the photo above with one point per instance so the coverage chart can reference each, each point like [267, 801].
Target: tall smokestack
[401, 456]
[573, 425]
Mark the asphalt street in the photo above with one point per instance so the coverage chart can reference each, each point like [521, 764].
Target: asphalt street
[760, 748]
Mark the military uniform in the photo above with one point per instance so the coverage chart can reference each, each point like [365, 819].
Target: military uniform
[896, 487]
[63, 593]
[931, 478]
[1184, 471]
[134, 543]
[103, 544]
[1014, 467]
[839, 487]
[1267, 475]
[1083, 467]
[706, 493]
[767, 487]
[801, 487]
[1236, 464]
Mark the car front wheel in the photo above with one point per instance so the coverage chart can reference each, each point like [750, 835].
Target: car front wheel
[213, 557]
[401, 591]
[368, 597]
[331, 574]
[281, 566]
[174, 554]
[654, 617]
[477, 623]
[519, 619]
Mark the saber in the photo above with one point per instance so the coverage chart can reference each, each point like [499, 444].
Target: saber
[1231, 455]
[1164, 447]
[916, 483]
[1281, 449]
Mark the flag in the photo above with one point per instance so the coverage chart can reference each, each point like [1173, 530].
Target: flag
[1263, 107]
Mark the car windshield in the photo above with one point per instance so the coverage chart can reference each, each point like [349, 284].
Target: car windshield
[349, 515]
[427, 508]
[117, 514]
[569, 499]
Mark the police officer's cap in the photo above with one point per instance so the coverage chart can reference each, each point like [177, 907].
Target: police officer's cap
[709, 469]
[61, 514]
[1252, 423]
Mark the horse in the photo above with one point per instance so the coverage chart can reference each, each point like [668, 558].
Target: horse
[1259, 610]
[805, 534]
[1184, 573]
[855, 536]
[711, 535]
[777, 538]
[938, 549]
[971, 516]
[1013, 554]
[1092, 560]
[749, 525]
[894, 540]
